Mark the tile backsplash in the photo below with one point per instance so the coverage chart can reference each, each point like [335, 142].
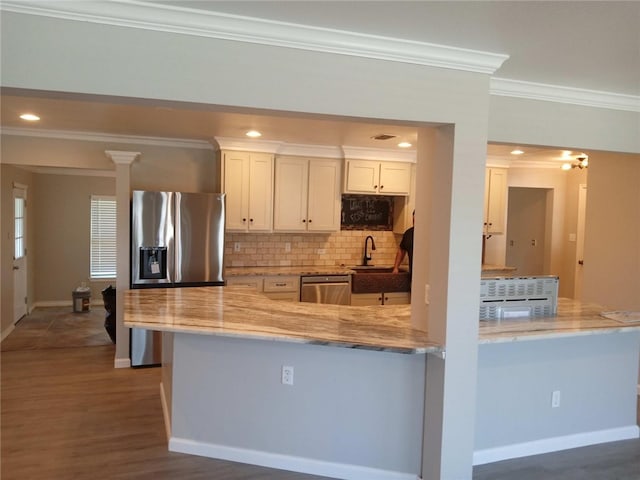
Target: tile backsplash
[309, 249]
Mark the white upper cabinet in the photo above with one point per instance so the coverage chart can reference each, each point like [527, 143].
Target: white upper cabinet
[495, 198]
[377, 178]
[248, 184]
[307, 194]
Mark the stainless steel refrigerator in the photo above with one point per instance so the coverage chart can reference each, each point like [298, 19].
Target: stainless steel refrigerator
[177, 240]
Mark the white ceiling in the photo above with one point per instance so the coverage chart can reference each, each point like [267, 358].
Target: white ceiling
[584, 45]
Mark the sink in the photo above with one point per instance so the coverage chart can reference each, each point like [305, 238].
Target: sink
[372, 269]
[374, 279]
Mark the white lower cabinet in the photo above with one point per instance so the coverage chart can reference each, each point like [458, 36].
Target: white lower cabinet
[282, 287]
[391, 298]
[252, 281]
[276, 287]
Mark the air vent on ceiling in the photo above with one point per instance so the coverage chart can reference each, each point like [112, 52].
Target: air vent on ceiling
[383, 136]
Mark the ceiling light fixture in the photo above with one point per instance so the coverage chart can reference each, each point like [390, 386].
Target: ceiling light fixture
[253, 134]
[517, 151]
[404, 144]
[582, 162]
[30, 117]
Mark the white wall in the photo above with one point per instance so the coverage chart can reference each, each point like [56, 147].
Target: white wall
[595, 375]
[612, 238]
[104, 60]
[532, 122]
[349, 410]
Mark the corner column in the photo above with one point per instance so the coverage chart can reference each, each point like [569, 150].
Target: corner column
[123, 161]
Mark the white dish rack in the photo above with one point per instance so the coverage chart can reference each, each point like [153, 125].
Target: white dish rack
[518, 297]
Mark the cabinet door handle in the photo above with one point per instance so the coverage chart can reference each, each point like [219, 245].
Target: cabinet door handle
[310, 220]
[381, 187]
[304, 220]
[375, 186]
[251, 219]
[244, 219]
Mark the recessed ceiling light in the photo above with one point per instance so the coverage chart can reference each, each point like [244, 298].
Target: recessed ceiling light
[29, 117]
[517, 151]
[253, 134]
[566, 166]
[404, 144]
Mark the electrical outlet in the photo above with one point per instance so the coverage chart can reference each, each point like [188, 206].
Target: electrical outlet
[287, 247]
[555, 399]
[236, 247]
[287, 375]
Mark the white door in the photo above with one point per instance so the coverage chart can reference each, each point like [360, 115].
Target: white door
[236, 187]
[261, 192]
[526, 230]
[19, 253]
[291, 191]
[582, 203]
[362, 176]
[395, 178]
[324, 195]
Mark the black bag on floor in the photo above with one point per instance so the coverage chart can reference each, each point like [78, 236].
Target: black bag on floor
[109, 298]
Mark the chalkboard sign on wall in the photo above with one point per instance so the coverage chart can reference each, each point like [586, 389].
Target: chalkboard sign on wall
[367, 212]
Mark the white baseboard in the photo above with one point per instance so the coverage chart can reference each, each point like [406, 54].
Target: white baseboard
[286, 462]
[536, 447]
[122, 363]
[166, 414]
[63, 303]
[7, 331]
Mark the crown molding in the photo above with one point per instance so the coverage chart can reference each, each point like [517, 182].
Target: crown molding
[316, 151]
[82, 172]
[204, 23]
[246, 145]
[363, 153]
[106, 138]
[555, 93]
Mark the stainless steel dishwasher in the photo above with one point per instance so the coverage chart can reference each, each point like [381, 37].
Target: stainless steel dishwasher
[333, 289]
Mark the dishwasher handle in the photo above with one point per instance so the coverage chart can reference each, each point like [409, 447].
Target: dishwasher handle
[324, 279]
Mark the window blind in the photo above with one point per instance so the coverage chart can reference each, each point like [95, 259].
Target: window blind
[19, 224]
[103, 236]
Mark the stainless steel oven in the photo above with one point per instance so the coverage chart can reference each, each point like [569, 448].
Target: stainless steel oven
[332, 289]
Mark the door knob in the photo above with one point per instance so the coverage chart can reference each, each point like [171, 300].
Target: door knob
[580, 262]
[16, 268]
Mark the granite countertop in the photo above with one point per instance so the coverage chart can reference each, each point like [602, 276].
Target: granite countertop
[289, 270]
[490, 269]
[574, 318]
[235, 311]
[487, 269]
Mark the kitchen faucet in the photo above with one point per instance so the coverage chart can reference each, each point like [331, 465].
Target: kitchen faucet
[373, 247]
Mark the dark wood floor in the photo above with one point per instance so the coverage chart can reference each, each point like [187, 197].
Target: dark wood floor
[68, 414]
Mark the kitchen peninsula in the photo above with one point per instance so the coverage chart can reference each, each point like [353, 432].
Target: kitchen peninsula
[357, 403]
